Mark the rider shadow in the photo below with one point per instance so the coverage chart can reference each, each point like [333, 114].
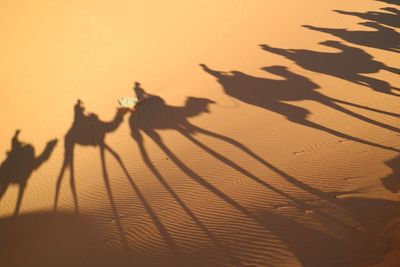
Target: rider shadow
[382, 37]
[389, 18]
[89, 130]
[349, 64]
[270, 94]
[19, 166]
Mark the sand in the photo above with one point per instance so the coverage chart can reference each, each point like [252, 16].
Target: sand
[268, 133]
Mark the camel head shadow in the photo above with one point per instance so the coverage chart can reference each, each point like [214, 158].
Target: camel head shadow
[19, 165]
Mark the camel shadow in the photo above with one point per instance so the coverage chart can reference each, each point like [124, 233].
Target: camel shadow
[389, 18]
[19, 165]
[154, 115]
[349, 64]
[271, 94]
[382, 37]
[89, 130]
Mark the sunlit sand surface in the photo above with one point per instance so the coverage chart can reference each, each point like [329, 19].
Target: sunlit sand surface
[266, 133]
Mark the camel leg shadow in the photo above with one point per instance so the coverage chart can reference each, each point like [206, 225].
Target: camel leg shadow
[68, 163]
[157, 222]
[189, 212]
[21, 191]
[111, 198]
[262, 161]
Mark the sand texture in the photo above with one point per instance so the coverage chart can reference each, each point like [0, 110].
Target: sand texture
[267, 133]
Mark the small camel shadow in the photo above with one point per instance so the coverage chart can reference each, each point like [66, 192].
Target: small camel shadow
[19, 165]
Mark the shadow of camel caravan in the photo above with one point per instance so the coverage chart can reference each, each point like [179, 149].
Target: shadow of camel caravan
[381, 37]
[19, 165]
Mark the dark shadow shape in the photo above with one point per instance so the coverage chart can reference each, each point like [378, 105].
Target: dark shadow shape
[392, 2]
[154, 114]
[392, 181]
[270, 94]
[390, 18]
[89, 130]
[141, 95]
[19, 165]
[382, 37]
[349, 64]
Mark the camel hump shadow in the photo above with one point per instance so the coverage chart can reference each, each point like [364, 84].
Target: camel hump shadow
[88, 129]
[154, 113]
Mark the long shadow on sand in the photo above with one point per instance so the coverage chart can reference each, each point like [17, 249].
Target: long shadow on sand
[19, 165]
[389, 18]
[154, 114]
[382, 37]
[89, 130]
[392, 2]
[270, 94]
[349, 64]
[349, 216]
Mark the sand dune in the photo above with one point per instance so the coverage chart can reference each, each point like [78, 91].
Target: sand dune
[267, 133]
